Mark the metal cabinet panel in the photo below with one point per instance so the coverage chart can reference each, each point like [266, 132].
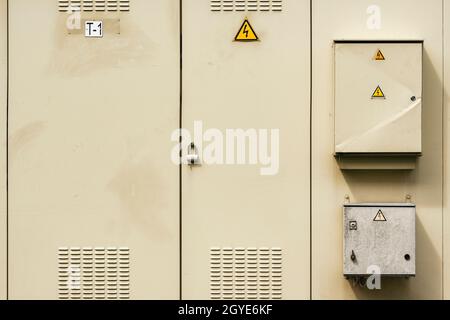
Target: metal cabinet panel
[332, 187]
[379, 238]
[380, 84]
[233, 216]
[92, 190]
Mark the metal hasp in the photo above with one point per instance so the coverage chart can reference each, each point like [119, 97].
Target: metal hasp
[378, 104]
[379, 238]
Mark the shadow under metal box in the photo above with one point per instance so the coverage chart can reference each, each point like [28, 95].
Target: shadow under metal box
[379, 238]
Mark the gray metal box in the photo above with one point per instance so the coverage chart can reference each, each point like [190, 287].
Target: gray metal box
[379, 235]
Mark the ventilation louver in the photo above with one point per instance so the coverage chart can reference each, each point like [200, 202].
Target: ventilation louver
[94, 5]
[246, 273]
[93, 273]
[246, 5]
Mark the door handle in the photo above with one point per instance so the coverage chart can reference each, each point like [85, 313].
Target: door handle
[192, 156]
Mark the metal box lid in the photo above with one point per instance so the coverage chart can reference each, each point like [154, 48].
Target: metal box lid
[385, 204]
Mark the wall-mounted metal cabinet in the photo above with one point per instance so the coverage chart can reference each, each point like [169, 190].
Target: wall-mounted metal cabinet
[379, 238]
[378, 98]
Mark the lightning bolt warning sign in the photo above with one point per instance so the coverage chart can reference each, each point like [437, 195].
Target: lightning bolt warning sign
[246, 33]
[379, 56]
[378, 93]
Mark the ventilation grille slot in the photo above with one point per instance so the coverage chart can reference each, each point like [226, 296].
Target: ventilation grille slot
[93, 273]
[94, 5]
[246, 5]
[246, 273]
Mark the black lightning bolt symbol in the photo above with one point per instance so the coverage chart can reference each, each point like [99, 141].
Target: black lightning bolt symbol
[245, 31]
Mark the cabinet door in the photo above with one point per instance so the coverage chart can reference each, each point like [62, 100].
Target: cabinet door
[380, 84]
[93, 209]
[245, 220]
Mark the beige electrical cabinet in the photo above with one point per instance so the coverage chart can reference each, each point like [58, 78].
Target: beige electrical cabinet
[93, 195]
[246, 235]
[378, 97]
[98, 209]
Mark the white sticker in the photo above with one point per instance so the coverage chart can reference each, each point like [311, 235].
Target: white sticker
[93, 29]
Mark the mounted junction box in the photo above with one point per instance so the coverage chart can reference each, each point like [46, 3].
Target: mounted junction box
[379, 238]
[378, 103]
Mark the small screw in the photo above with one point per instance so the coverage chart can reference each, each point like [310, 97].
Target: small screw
[407, 257]
[413, 98]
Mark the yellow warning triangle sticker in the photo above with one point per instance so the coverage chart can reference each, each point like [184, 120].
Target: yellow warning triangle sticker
[379, 216]
[246, 33]
[379, 56]
[378, 93]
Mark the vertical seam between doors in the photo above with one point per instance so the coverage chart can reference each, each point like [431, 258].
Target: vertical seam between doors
[310, 146]
[180, 170]
[444, 113]
[7, 149]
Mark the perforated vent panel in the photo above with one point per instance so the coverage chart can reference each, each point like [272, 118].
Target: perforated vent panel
[94, 5]
[93, 273]
[246, 273]
[246, 5]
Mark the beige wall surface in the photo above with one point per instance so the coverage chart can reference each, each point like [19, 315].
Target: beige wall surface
[3, 101]
[353, 20]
